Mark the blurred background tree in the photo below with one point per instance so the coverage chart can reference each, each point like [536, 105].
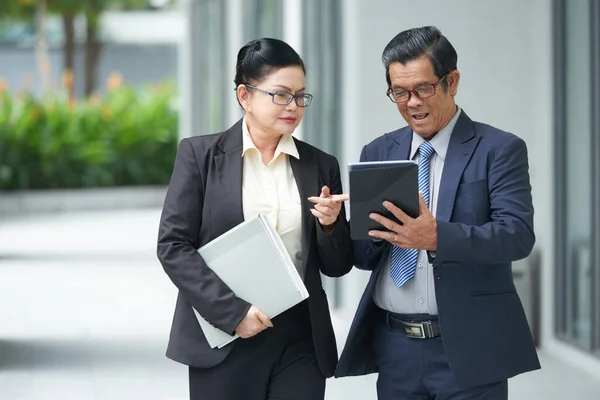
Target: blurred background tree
[37, 10]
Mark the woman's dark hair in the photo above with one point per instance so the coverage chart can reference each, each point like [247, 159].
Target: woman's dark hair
[260, 57]
[414, 43]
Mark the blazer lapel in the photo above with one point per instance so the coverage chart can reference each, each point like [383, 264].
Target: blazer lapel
[306, 175]
[403, 140]
[228, 178]
[460, 149]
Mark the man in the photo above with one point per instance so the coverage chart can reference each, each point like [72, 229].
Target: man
[440, 318]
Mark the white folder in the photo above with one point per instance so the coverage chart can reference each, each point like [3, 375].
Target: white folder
[252, 260]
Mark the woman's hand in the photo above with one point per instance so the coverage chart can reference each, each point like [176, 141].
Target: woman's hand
[253, 323]
[327, 207]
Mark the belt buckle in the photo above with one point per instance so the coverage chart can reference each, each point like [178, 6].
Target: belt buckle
[414, 330]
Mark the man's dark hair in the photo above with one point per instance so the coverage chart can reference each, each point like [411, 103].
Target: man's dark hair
[417, 42]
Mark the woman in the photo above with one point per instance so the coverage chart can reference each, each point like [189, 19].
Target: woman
[220, 180]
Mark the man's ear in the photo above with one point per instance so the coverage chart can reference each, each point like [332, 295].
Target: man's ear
[453, 78]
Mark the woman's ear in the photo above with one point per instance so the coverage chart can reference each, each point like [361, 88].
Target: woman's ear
[243, 97]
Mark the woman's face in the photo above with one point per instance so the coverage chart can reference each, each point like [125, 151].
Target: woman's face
[260, 109]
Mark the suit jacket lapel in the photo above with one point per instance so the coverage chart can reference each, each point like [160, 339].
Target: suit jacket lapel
[228, 171]
[402, 140]
[306, 175]
[228, 177]
[460, 149]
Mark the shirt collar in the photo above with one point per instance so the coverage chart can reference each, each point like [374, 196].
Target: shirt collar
[286, 143]
[439, 142]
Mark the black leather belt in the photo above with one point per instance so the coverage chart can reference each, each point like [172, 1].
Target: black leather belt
[415, 330]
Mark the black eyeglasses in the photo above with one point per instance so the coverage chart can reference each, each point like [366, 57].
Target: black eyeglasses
[285, 98]
[422, 92]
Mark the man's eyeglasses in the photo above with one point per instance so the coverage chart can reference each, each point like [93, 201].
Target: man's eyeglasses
[422, 92]
[285, 98]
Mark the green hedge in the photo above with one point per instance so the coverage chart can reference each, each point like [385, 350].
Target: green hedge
[125, 138]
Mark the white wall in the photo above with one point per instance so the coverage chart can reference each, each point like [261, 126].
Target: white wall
[505, 60]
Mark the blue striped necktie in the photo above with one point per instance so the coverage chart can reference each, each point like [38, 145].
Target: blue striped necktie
[404, 261]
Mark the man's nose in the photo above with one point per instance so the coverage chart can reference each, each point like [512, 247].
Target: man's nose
[413, 100]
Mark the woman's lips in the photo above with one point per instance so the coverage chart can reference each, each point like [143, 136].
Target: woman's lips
[289, 120]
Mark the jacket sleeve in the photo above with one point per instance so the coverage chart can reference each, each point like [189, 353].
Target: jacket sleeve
[335, 247]
[178, 241]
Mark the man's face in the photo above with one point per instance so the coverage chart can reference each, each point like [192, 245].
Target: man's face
[426, 116]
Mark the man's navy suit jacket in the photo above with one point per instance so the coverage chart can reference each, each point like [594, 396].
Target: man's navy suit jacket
[484, 223]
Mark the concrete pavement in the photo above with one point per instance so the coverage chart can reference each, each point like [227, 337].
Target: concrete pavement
[85, 311]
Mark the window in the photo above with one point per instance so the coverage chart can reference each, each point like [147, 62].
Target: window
[263, 18]
[212, 43]
[322, 44]
[578, 172]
